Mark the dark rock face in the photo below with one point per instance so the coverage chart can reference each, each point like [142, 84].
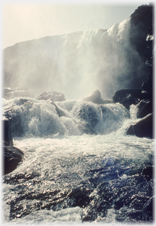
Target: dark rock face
[149, 208]
[143, 128]
[52, 96]
[144, 108]
[127, 97]
[7, 136]
[148, 172]
[12, 157]
[142, 42]
[142, 19]
[15, 125]
[147, 87]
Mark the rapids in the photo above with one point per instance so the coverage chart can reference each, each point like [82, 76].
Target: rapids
[70, 176]
[79, 165]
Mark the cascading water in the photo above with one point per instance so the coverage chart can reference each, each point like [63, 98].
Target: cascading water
[68, 175]
[76, 64]
[39, 118]
[79, 165]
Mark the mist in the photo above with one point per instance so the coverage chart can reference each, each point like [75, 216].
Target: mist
[76, 64]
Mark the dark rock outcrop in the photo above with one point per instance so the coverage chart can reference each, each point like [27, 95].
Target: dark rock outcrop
[143, 128]
[144, 108]
[52, 96]
[127, 97]
[12, 156]
[7, 136]
[142, 41]
[148, 172]
[15, 125]
[147, 88]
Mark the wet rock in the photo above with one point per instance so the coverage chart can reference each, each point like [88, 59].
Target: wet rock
[12, 157]
[138, 201]
[143, 128]
[7, 136]
[144, 108]
[148, 86]
[15, 124]
[127, 97]
[142, 41]
[80, 196]
[148, 208]
[148, 172]
[52, 96]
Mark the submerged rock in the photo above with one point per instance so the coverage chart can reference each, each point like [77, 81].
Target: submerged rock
[143, 128]
[52, 96]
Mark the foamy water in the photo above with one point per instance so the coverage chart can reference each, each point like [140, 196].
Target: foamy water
[79, 165]
[70, 176]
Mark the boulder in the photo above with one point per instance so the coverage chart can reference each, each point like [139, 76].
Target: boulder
[143, 128]
[51, 96]
[95, 97]
[147, 85]
[148, 172]
[7, 136]
[144, 108]
[127, 97]
[12, 157]
[147, 88]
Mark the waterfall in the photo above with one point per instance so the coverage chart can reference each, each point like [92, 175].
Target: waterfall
[76, 64]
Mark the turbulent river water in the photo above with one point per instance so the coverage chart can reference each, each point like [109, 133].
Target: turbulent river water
[77, 167]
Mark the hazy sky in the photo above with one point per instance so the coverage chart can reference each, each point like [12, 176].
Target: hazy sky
[26, 20]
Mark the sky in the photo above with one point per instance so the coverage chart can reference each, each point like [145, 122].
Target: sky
[27, 20]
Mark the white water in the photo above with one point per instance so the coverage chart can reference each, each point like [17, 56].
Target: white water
[39, 118]
[80, 167]
[59, 158]
[76, 64]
